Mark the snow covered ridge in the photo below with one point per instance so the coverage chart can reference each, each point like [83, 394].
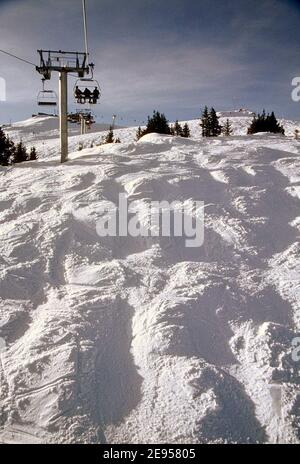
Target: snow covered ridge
[39, 128]
[241, 113]
[142, 339]
[45, 127]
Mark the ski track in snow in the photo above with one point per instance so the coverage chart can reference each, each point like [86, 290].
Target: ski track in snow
[142, 340]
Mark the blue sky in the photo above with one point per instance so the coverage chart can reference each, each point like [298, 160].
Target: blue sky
[175, 56]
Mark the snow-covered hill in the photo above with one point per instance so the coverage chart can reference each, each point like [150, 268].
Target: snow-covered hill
[38, 129]
[42, 132]
[142, 340]
[45, 127]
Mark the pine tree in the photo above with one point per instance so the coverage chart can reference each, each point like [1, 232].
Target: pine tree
[139, 133]
[2, 141]
[158, 123]
[118, 140]
[20, 154]
[33, 154]
[214, 125]
[205, 123]
[186, 131]
[5, 152]
[9, 152]
[252, 129]
[296, 134]
[265, 123]
[273, 125]
[261, 122]
[172, 130]
[177, 129]
[227, 129]
[258, 123]
[110, 136]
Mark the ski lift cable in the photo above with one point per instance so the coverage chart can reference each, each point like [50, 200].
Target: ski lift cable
[85, 27]
[28, 62]
[85, 40]
[17, 57]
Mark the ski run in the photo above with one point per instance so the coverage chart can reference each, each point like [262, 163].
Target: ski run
[141, 339]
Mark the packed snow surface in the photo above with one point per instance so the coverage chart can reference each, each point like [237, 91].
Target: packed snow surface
[143, 340]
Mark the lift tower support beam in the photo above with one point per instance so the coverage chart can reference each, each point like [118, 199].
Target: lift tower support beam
[63, 115]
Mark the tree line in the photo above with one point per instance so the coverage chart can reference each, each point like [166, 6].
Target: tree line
[11, 153]
[263, 122]
[210, 125]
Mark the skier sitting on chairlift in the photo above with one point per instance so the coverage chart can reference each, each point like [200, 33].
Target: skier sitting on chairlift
[78, 95]
[87, 95]
[96, 95]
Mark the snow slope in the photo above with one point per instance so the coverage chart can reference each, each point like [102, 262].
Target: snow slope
[38, 129]
[45, 127]
[142, 340]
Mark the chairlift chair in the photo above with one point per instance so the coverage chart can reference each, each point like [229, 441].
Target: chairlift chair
[81, 95]
[47, 97]
[79, 114]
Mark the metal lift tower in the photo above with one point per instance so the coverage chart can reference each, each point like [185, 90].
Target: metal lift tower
[63, 63]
